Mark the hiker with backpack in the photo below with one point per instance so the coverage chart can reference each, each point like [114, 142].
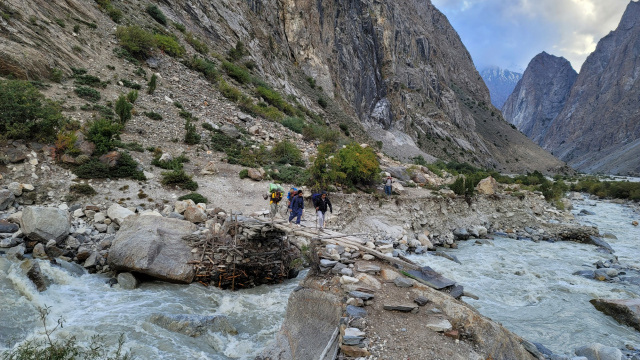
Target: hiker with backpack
[388, 185]
[276, 197]
[290, 195]
[321, 202]
[297, 207]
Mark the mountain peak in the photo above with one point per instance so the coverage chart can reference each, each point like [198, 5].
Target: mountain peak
[631, 16]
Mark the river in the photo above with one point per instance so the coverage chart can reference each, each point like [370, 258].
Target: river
[89, 306]
[530, 289]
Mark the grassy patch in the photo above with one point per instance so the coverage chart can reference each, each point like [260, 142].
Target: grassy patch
[294, 124]
[197, 198]
[137, 41]
[169, 45]
[197, 45]
[204, 66]
[179, 178]
[236, 72]
[87, 93]
[156, 14]
[83, 189]
[173, 164]
[152, 115]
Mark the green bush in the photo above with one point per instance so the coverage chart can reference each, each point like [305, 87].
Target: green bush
[236, 72]
[25, 113]
[458, 186]
[191, 137]
[137, 41]
[133, 146]
[180, 179]
[320, 132]
[237, 52]
[89, 80]
[156, 14]
[273, 97]
[285, 152]
[345, 129]
[83, 189]
[197, 198]
[153, 115]
[132, 96]
[56, 75]
[151, 86]
[185, 114]
[87, 93]
[266, 111]
[229, 91]
[179, 26]
[126, 167]
[357, 165]
[294, 124]
[123, 109]
[208, 126]
[114, 14]
[204, 66]
[173, 164]
[323, 103]
[102, 133]
[131, 84]
[169, 45]
[244, 173]
[289, 174]
[198, 45]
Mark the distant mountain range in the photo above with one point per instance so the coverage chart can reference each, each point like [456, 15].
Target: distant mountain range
[500, 82]
[593, 121]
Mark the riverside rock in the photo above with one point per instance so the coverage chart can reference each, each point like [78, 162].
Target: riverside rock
[32, 270]
[626, 312]
[599, 352]
[194, 325]
[127, 281]
[153, 246]
[487, 186]
[45, 223]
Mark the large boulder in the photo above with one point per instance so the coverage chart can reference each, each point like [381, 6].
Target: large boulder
[31, 269]
[194, 325]
[626, 312]
[255, 174]
[209, 169]
[45, 223]
[195, 214]
[487, 186]
[118, 213]
[153, 246]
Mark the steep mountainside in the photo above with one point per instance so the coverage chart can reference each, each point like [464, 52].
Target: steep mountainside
[540, 95]
[392, 71]
[599, 128]
[501, 83]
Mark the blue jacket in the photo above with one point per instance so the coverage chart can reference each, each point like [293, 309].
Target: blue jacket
[297, 203]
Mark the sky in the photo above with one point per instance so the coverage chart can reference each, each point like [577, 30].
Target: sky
[509, 33]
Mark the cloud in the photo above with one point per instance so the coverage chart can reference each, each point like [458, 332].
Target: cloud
[509, 33]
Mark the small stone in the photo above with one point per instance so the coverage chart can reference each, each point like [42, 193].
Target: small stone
[354, 351]
[91, 261]
[403, 282]
[356, 312]
[39, 252]
[368, 268]
[421, 301]
[454, 334]
[361, 295]
[440, 325]
[127, 281]
[401, 307]
[368, 257]
[348, 280]
[346, 271]
[78, 213]
[355, 302]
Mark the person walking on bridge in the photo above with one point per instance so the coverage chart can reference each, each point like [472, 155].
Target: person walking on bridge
[321, 203]
[297, 207]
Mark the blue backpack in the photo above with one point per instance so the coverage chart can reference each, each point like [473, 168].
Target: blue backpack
[315, 198]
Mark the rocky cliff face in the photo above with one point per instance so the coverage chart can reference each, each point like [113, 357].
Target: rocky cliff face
[540, 95]
[393, 71]
[599, 128]
[501, 83]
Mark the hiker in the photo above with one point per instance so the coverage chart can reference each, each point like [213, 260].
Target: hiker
[297, 207]
[320, 203]
[387, 185]
[290, 195]
[276, 197]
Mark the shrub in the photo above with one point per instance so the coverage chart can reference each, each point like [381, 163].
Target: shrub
[273, 97]
[208, 126]
[179, 26]
[185, 114]
[125, 168]
[198, 45]
[137, 41]
[237, 52]
[244, 173]
[290, 174]
[229, 91]
[102, 133]
[133, 146]
[89, 80]
[204, 66]
[180, 179]
[173, 164]
[322, 102]
[345, 129]
[130, 84]
[169, 45]
[56, 75]
[294, 124]
[178, 105]
[266, 111]
[123, 109]
[76, 29]
[191, 137]
[320, 132]
[285, 152]
[87, 93]
[132, 96]
[151, 87]
[83, 189]
[356, 165]
[311, 81]
[25, 113]
[197, 198]
[236, 72]
[153, 115]
[156, 14]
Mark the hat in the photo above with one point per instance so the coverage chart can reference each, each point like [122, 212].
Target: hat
[389, 176]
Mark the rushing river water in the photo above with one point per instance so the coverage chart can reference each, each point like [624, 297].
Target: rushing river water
[530, 289]
[90, 307]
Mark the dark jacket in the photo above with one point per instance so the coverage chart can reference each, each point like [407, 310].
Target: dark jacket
[322, 204]
[297, 203]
